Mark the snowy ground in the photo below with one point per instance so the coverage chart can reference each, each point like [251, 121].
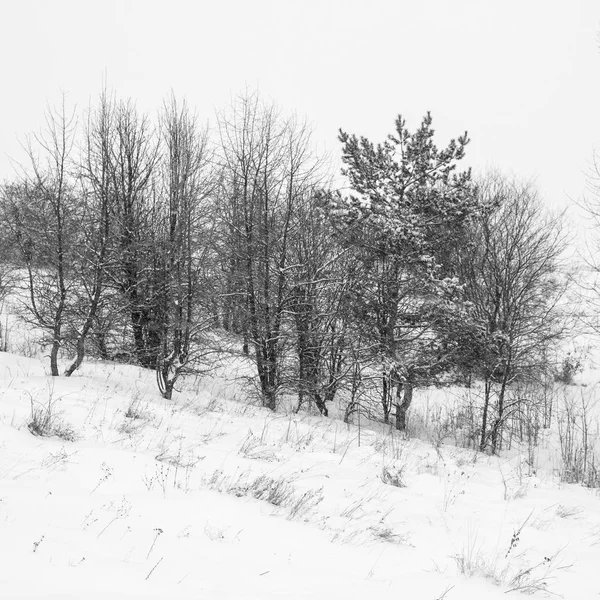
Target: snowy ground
[208, 496]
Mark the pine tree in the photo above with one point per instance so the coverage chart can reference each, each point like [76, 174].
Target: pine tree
[407, 206]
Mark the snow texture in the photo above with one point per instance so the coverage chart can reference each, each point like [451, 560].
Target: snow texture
[209, 496]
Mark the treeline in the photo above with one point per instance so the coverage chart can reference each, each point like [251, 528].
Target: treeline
[156, 240]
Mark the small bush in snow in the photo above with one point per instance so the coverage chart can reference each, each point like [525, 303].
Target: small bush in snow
[135, 410]
[253, 448]
[45, 422]
[387, 534]
[393, 475]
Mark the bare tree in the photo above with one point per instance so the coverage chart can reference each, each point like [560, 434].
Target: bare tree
[319, 279]
[511, 269]
[588, 283]
[132, 158]
[93, 253]
[267, 166]
[43, 211]
[187, 183]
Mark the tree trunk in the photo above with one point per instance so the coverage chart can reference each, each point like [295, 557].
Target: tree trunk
[402, 407]
[321, 405]
[166, 384]
[496, 431]
[146, 342]
[484, 418]
[385, 398]
[54, 358]
[78, 359]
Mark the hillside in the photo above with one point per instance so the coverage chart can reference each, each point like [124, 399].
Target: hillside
[209, 496]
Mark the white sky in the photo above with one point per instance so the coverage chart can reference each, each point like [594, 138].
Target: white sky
[522, 76]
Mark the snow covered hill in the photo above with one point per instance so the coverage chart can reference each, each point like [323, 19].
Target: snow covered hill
[209, 496]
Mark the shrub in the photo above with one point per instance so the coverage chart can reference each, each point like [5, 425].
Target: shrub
[44, 421]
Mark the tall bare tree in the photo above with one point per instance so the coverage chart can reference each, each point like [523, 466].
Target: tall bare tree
[93, 253]
[267, 166]
[133, 156]
[319, 282]
[43, 210]
[511, 270]
[186, 225]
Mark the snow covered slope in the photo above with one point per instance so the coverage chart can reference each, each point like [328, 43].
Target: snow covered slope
[208, 496]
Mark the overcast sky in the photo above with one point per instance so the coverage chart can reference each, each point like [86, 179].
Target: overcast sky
[522, 76]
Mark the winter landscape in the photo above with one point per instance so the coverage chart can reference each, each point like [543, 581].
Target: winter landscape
[247, 354]
[210, 496]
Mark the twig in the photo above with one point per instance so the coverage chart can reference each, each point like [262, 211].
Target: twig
[154, 567]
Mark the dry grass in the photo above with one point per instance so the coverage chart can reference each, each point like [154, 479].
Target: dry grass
[514, 572]
[46, 421]
[279, 492]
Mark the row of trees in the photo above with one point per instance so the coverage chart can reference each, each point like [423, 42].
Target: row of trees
[108, 226]
[152, 239]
